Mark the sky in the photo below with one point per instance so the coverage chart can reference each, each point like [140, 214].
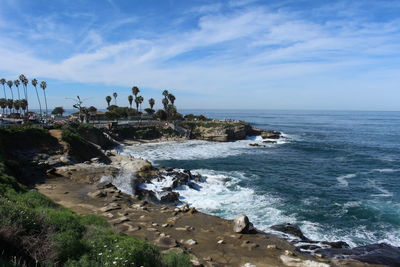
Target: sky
[233, 54]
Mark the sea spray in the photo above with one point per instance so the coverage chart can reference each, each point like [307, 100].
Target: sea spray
[124, 181]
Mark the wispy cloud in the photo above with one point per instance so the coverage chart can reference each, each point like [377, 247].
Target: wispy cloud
[253, 47]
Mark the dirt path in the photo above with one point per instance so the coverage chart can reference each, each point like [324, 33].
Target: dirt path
[58, 134]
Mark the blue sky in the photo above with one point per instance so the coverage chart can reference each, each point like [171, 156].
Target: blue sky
[247, 54]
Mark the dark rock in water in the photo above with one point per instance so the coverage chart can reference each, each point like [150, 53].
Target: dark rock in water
[374, 254]
[270, 134]
[336, 244]
[169, 169]
[269, 142]
[170, 197]
[291, 229]
[180, 178]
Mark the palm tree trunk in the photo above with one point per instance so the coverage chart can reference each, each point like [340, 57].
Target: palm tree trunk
[12, 97]
[45, 99]
[19, 97]
[26, 98]
[4, 90]
[38, 98]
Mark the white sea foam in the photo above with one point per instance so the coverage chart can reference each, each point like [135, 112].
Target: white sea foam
[221, 195]
[198, 149]
[123, 181]
[343, 179]
[388, 170]
[383, 191]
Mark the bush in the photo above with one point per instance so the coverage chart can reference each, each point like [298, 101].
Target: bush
[24, 137]
[173, 259]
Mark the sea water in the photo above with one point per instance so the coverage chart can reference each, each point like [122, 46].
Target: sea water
[336, 174]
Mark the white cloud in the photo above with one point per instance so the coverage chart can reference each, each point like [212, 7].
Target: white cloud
[255, 48]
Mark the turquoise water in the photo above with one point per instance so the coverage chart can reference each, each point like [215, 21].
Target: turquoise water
[336, 174]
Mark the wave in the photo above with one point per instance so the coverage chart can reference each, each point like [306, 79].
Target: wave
[343, 179]
[222, 195]
[383, 191]
[198, 149]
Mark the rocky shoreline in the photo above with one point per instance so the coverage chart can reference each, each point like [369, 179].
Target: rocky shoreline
[118, 206]
[145, 204]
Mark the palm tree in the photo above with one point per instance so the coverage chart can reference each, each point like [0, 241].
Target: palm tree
[140, 100]
[108, 99]
[165, 103]
[165, 93]
[16, 83]
[137, 103]
[24, 105]
[34, 83]
[43, 85]
[130, 99]
[17, 105]
[10, 104]
[3, 82]
[115, 98]
[135, 91]
[171, 98]
[25, 83]
[10, 84]
[151, 102]
[3, 104]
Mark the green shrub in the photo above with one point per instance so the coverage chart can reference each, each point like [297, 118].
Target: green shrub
[173, 259]
[24, 137]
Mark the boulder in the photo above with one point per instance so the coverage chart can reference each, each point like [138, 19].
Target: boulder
[270, 134]
[241, 224]
[291, 229]
[169, 197]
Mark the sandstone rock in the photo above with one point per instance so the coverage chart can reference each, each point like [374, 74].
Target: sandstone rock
[241, 224]
[297, 262]
[271, 247]
[104, 185]
[97, 194]
[270, 135]
[120, 220]
[111, 206]
[166, 242]
[249, 245]
[248, 265]
[190, 242]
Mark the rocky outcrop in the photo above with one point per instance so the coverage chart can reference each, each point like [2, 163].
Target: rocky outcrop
[374, 254]
[291, 229]
[86, 173]
[270, 134]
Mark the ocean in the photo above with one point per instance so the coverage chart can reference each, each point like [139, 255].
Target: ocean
[336, 173]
